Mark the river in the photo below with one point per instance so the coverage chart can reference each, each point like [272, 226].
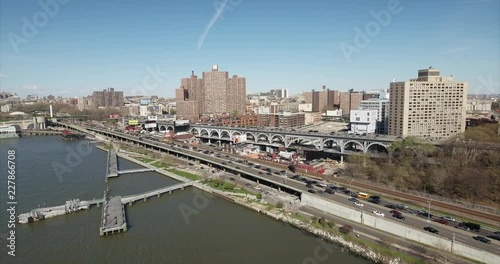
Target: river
[50, 171]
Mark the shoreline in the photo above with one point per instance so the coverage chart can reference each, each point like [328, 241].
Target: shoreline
[354, 248]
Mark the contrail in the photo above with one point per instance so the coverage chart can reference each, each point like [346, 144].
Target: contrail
[211, 23]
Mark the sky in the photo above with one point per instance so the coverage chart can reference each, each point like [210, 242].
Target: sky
[71, 48]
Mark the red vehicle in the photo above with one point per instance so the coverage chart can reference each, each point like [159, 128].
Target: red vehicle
[395, 212]
[441, 221]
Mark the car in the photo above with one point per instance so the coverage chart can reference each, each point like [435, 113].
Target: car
[311, 191]
[497, 233]
[401, 207]
[248, 184]
[496, 237]
[321, 192]
[378, 213]
[232, 178]
[260, 172]
[398, 216]
[394, 212]
[329, 191]
[448, 218]
[322, 184]
[431, 229]
[268, 173]
[309, 185]
[441, 221]
[391, 206]
[357, 203]
[482, 239]
[463, 227]
[352, 200]
[257, 188]
[237, 167]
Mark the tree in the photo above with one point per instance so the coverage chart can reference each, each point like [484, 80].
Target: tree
[279, 204]
[259, 196]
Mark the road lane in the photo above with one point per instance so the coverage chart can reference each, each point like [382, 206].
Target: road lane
[413, 221]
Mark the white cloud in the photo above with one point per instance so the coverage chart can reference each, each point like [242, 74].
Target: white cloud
[453, 50]
[31, 87]
[210, 24]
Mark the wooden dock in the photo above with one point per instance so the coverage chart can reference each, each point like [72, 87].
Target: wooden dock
[113, 216]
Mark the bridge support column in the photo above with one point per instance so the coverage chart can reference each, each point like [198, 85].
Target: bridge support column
[182, 188]
[130, 203]
[145, 198]
[170, 192]
[341, 159]
[158, 195]
[279, 188]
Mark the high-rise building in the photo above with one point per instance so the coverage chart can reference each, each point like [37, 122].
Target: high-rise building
[107, 98]
[279, 93]
[215, 93]
[350, 100]
[382, 107]
[324, 99]
[429, 107]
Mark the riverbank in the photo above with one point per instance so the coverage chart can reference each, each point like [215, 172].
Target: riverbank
[347, 241]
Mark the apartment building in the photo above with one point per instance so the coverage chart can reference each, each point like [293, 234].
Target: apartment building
[363, 121]
[107, 98]
[430, 107]
[215, 93]
[382, 107]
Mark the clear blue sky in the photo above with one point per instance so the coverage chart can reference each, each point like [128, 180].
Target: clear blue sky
[295, 44]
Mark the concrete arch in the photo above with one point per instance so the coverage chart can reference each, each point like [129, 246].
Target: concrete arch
[376, 144]
[235, 133]
[213, 133]
[262, 135]
[204, 133]
[304, 139]
[250, 136]
[170, 128]
[281, 138]
[355, 142]
[225, 134]
[336, 144]
[162, 128]
[31, 126]
[194, 131]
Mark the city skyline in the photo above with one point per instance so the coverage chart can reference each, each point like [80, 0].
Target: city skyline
[308, 45]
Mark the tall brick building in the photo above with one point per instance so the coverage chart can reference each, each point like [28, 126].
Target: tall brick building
[215, 93]
[107, 98]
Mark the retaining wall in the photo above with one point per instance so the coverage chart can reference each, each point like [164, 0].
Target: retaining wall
[399, 229]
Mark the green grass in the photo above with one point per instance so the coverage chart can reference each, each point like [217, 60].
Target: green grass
[226, 187]
[184, 174]
[160, 164]
[143, 159]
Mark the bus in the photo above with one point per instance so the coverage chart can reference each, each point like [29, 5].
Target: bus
[363, 195]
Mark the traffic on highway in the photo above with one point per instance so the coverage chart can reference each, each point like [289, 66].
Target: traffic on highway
[442, 225]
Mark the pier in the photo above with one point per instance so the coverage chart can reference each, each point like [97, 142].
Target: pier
[112, 164]
[38, 132]
[120, 172]
[113, 216]
[144, 196]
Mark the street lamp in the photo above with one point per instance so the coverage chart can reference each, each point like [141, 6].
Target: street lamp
[429, 212]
